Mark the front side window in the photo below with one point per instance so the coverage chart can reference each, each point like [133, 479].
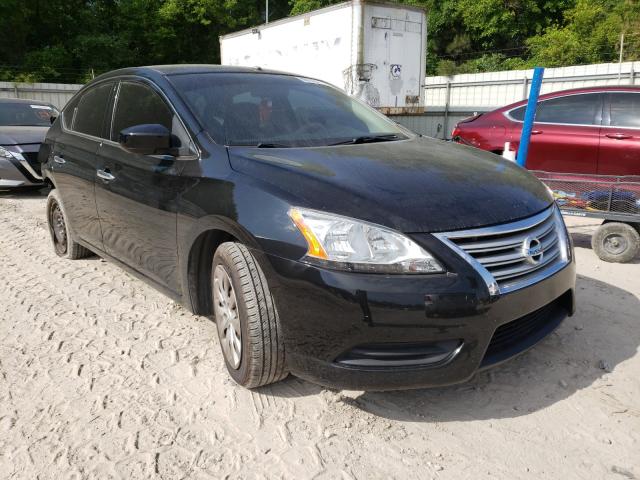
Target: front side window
[90, 111]
[278, 110]
[625, 109]
[138, 104]
[573, 110]
[26, 114]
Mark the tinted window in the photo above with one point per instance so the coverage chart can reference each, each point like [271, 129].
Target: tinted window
[573, 109]
[518, 113]
[625, 109]
[69, 111]
[91, 109]
[138, 105]
[26, 114]
[249, 109]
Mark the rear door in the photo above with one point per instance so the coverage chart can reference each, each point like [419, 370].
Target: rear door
[73, 160]
[619, 152]
[137, 194]
[565, 135]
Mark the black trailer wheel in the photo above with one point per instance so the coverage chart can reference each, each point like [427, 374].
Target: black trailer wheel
[616, 242]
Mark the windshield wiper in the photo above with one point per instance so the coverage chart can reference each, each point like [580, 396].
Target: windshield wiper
[369, 139]
[271, 145]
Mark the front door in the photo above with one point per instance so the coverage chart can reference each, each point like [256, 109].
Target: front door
[620, 137]
[137, 194]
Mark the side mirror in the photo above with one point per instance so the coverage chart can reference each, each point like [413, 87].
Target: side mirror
[146, 139]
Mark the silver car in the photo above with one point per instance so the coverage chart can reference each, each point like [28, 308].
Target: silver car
[23, 125]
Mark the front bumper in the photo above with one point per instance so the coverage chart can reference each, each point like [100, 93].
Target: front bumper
[329, 316]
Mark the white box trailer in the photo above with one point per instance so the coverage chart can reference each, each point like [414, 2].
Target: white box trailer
[374, 51]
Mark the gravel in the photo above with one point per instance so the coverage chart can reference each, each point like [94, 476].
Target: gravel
[98, 379]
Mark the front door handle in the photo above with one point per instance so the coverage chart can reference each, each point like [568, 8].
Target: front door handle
[59, 159]
[618, 136]
[536, 132]
[105, 175]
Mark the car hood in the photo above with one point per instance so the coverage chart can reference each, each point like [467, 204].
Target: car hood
[22, 135]
[415, 185]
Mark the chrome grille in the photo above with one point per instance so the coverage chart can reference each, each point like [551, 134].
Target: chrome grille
[513, 255]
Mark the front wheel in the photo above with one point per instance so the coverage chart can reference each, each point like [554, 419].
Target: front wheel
[246, 318]
[616, 242]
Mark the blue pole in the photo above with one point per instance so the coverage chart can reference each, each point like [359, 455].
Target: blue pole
[529, 116]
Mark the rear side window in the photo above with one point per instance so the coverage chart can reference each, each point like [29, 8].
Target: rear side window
[138, 105]
[573, 110]
[90, 111]
[625, 109]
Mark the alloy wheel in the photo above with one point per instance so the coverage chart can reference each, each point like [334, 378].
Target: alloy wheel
[227, 316]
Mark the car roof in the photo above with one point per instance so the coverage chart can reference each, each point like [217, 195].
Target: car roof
[604, 88]
[574, 91]
[182, 69]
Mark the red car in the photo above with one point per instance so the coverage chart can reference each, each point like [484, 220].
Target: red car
[587, 130]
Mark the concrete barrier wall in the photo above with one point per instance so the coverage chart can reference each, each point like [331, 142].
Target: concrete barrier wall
[56, 93]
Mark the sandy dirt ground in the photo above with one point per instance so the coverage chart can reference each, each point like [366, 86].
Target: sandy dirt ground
[101, 376]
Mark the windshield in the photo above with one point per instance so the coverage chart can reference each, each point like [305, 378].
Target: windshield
[26, 114]
[268, 110]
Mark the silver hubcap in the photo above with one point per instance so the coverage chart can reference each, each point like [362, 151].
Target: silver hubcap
[227, 317]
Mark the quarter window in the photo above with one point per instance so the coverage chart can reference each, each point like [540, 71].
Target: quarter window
[625, 109]
[90, 111]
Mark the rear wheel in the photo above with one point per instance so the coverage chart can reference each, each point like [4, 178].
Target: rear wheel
[616, 242]
[246, 318]
[63, 243]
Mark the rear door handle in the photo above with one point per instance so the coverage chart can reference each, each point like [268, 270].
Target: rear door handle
[59, 159]
[536, 132]
[105, 175]
[618, 136]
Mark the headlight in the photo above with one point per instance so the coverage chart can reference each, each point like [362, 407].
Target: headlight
[344, 243]
[563, 234]
[4, 153]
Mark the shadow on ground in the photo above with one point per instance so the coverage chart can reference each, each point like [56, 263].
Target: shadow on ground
[584, 349]
[25, 192]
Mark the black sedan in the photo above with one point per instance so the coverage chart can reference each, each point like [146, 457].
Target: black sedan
[324, 239]
[23, 125]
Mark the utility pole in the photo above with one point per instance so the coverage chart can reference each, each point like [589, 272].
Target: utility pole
[266, 11]
[621, 53]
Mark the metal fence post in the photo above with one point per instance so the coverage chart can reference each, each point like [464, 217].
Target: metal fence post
[525, 85]
[445, 123]
[632, 75]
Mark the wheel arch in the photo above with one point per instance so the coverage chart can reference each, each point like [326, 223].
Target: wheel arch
[198, 258]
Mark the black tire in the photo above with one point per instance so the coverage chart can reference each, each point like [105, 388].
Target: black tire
[616, 242]
[63, 243]
[262, 356]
